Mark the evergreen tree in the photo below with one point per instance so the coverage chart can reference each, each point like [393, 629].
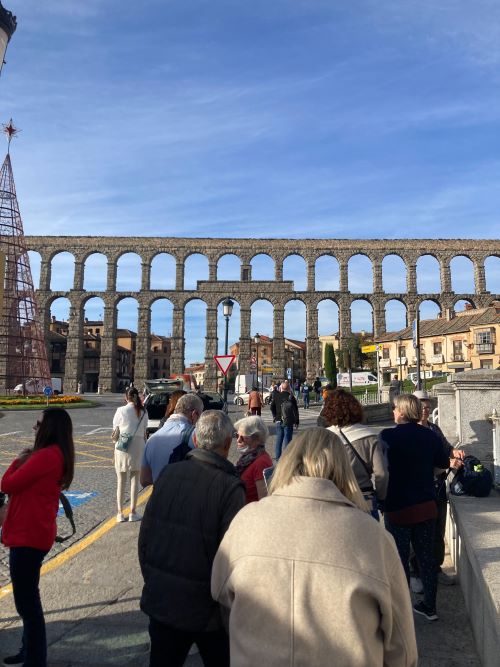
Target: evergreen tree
[330, 365]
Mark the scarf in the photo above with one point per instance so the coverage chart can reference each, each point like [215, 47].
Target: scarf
[248, 458]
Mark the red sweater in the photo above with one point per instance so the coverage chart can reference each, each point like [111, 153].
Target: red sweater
[253, 474]
[33, 490]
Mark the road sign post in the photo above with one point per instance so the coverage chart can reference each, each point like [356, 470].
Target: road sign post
[47, 392]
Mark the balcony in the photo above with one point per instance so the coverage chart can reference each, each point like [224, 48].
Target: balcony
[457, 357]
[385, 363]
[437, 359]
[485, 348]
[401, 360]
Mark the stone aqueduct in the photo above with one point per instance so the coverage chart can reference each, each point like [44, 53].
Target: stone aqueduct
[245, 291]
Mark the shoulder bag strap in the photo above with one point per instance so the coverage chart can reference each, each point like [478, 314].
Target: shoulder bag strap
[356, 453]
[68, 511]
[139, 422]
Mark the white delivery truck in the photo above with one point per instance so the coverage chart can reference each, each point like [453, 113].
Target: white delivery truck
[245, 381]
[358, 379]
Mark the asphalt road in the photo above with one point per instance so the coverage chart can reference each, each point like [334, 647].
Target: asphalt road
[92, 493]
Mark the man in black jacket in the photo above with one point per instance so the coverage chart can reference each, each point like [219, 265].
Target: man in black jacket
[192, 504]
[285, 413]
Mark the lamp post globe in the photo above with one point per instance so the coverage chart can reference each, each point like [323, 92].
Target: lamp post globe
[8, 25]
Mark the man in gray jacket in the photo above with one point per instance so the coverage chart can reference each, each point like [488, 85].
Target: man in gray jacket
[192, 504]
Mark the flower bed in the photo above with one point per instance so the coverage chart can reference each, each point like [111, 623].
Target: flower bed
[11, 401]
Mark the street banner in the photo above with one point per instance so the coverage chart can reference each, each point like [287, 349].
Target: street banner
[367, 349]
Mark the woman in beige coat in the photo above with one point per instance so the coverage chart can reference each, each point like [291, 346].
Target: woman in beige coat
[309, 578]
[130, 418]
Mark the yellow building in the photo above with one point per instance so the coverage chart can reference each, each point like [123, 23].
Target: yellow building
[453, 343]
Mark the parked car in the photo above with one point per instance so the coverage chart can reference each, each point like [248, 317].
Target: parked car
[242, 399]
[157, 401]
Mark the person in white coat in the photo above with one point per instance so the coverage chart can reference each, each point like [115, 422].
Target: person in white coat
[130, 418]
[309, 578]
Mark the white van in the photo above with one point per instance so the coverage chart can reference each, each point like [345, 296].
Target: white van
[358, 379]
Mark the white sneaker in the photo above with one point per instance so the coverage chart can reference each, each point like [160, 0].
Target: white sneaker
[120, 518]
[133, 516]
[416, 585]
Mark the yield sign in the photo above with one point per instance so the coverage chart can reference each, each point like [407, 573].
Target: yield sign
[224, 362]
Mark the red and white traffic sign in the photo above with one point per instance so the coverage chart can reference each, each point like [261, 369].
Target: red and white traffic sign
[224, 362]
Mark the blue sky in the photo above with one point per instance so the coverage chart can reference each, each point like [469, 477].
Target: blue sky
[294, 118]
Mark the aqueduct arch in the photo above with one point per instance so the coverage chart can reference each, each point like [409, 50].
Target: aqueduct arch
[245, 291]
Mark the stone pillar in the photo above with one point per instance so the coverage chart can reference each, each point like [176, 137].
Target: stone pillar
[179, 273]
[245, 340]
[111, 278]
[177, 356]
[73, 368]
[245, 272]
[343, 276]
[313, 349]
[378, 319]
[344, 320]
[411, 278]
[107, 370]
[311, 275]
[411, 313]
[45, 274]
[476, 394]
[44, 315]
[212, 269]
[445, 276]
[479, 277]
[210, 379]
[377, 276]
[145, 276]
[142, 354]
[279, 342]
[278, 270]
[78, 277]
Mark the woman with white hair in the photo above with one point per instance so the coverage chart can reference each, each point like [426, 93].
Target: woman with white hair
[309, 578]
[251, 437]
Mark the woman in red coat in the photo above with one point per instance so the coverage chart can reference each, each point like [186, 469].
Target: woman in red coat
[33, 483]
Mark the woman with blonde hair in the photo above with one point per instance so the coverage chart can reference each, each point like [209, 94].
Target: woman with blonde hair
[309, 578]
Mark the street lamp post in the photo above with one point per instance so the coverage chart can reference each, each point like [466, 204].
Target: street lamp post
[256, 340]
[227, 309]
[8, 25]
[400, 366]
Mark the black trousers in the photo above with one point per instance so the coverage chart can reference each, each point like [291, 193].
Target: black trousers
[25, 564]
[421, 537]
[170, 647]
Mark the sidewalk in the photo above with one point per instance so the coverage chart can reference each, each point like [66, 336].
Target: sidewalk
[91, 604]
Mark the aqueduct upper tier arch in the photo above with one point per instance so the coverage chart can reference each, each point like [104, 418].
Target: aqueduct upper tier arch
[246, 290]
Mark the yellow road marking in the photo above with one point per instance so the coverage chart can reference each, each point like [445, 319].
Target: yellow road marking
[93, 456]
[82, 544]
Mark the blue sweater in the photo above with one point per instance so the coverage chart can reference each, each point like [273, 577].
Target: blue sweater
[413, 452]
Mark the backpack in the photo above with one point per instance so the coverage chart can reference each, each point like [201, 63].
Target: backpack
[473, 479]
[287, 412]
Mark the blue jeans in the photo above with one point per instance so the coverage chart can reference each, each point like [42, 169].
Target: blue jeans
[283, 436]
[25, 564]
[306, 400]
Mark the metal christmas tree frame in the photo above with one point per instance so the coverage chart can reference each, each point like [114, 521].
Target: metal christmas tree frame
[23, 354]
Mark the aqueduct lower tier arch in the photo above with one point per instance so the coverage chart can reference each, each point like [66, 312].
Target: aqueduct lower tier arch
[245, 291]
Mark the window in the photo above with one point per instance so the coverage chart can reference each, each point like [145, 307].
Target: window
[386, 353]
[402, 351]
[438, 348]
[483, 338]
[487, 363]
[457, 350]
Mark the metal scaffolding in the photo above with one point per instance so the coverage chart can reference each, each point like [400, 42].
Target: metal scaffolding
[23, 354]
